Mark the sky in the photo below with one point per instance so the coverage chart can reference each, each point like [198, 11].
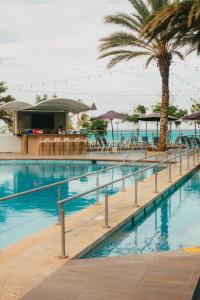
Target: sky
[51, 46]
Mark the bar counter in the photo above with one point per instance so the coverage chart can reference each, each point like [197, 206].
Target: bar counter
[53, 144]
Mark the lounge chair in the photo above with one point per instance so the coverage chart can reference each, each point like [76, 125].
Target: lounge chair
[107, 146]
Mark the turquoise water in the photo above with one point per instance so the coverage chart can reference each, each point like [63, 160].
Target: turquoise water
[175, 223]
[139, 134]
[27, 214]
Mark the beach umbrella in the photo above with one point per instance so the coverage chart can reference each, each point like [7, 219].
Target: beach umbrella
[155, 117]
[193, 117]
[112, 115]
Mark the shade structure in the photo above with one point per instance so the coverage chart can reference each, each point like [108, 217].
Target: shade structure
[155, 117]
[53, 105]
[14, 106]
[193, 117]
[111, 115]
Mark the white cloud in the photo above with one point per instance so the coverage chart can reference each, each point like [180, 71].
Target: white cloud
[67, 33]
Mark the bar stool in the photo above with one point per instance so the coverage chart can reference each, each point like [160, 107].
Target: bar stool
[66, 146]
[44, 146]
[58, 146]
[51, 147]
[71, 147]
[83, 146]
[77, 146]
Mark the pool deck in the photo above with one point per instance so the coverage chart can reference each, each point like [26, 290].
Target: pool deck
[25, 264]
[161, 276]
[92, 156]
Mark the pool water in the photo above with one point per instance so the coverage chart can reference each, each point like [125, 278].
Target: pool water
[173, 224]
[27, 214]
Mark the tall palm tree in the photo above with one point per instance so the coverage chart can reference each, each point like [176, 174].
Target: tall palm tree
[181, 20]
[126, 45]
[6, 117]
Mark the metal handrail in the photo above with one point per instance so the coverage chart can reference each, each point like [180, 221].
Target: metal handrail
[69, 199]
[134, 147]
[59, 183]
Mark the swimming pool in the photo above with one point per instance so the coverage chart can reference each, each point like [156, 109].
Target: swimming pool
[25, 215]
[173, 224]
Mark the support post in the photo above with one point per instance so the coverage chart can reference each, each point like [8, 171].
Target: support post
[106, 209]
[62, 221]
[193, 157]
[145, 154]
[58, 223]
[188, 160]
[156, 179]
[97, 191]
[123, 180]
[180, 169]
[136, 193]
[170, 172]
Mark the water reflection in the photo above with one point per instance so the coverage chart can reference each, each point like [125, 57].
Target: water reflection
[173, 224]
[21, 216]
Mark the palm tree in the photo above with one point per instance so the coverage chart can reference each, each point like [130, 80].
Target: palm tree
[6, 117]
[126, 45]
[181, 20]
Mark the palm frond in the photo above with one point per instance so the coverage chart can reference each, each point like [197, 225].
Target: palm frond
[179, 54]
[119, 39]
[122, 20]
[142, 9]
[122, 55]
[148, 61]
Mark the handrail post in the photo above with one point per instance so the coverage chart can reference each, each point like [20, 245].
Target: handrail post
[156, 179]
[62, 221]
[170, 172]
[97, 191]
[123, 180]
[188, 160]
[193, 157]
[198, 153]
[58, 206]
[145, 154]
[136, 193]
[106, 209]
[180, 169]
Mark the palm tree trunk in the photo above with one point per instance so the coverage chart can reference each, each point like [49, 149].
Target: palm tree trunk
[164, 65]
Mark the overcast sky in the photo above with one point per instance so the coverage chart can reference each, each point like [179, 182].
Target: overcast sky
[52, 40]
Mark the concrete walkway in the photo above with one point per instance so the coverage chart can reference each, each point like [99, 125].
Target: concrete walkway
[101, 156]
[163, 276]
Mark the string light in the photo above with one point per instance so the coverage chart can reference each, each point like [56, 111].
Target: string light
[98, 75]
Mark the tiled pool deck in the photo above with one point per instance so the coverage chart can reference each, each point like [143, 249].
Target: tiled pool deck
[27, 263]
[163, 276]
[119, 156]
